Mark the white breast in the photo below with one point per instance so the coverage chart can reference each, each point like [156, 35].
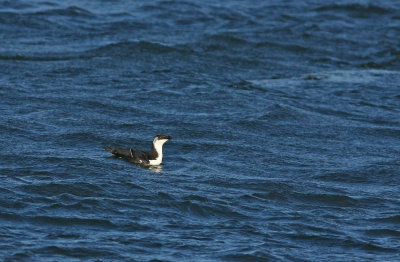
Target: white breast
[158, 144]
[156, 162]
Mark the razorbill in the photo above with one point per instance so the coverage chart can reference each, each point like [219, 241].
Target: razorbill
[151, 158]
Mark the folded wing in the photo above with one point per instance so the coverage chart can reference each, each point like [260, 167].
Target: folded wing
[133, 155]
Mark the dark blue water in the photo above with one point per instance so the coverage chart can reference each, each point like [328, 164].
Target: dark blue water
[285, 118]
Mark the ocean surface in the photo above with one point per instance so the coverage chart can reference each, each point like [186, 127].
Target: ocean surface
[285, 118]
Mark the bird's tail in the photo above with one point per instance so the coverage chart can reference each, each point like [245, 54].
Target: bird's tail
[109, 149]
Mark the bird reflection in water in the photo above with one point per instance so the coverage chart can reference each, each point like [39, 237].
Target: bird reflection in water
[155, 169]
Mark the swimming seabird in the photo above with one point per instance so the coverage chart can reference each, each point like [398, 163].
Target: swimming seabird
[152, 158]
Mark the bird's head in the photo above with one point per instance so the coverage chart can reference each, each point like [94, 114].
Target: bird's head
[160, 139]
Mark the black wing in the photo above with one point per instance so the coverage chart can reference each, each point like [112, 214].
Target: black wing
[133, 155]
[139, 157]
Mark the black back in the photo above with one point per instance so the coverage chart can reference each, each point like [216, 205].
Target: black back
[133, 155]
